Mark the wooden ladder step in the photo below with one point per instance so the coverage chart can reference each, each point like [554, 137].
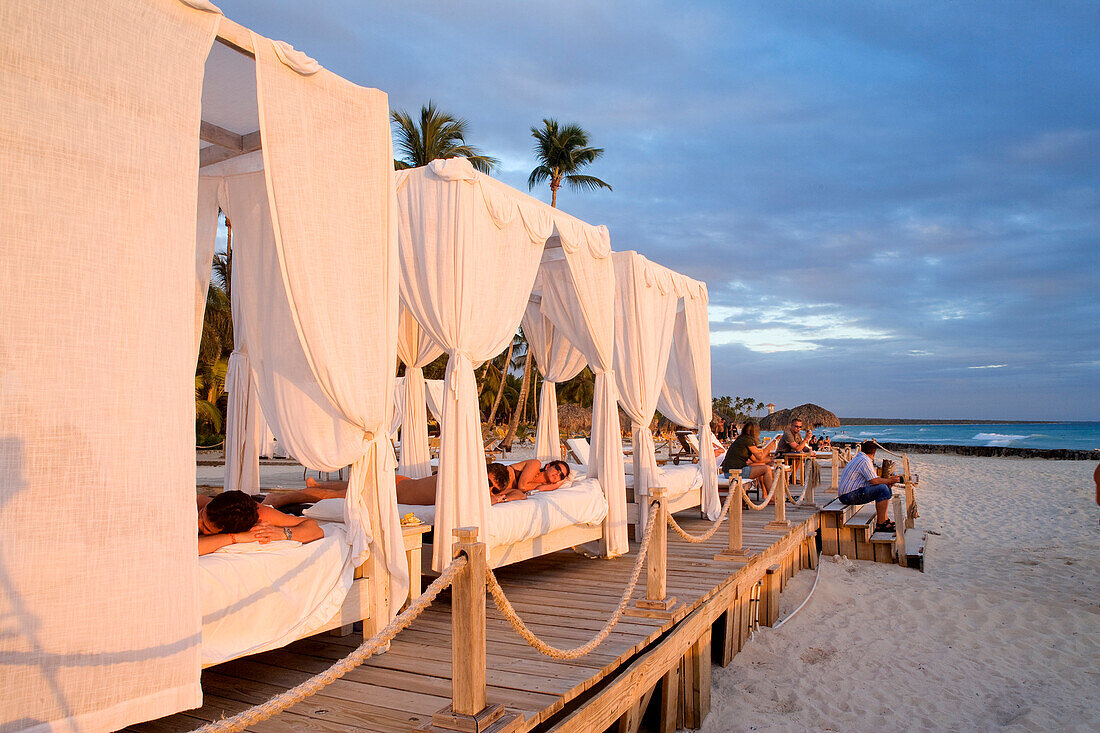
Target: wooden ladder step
[835, 506]
[863, 518]
[915, 541]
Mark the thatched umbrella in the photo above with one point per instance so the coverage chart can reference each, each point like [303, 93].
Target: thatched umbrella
[574, 420]
[810, 415]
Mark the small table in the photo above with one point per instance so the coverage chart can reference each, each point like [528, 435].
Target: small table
[797, 460]
[413, 536]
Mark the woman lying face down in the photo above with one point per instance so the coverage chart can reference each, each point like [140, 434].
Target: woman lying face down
[506, 483]
[234, 516]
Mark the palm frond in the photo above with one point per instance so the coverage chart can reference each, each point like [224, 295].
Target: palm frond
[540, 174]
[585, 183]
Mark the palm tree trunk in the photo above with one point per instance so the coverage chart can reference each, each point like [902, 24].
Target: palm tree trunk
[500, 387]
[481, 380]
[520, 402]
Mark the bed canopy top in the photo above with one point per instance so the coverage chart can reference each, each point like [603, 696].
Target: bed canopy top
[471, 250]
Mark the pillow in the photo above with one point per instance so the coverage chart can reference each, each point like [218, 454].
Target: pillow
[326, 510]
[240, 547]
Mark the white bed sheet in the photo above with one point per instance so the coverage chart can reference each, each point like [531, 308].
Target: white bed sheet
[677, 480]
[255, 601]
[581, 502]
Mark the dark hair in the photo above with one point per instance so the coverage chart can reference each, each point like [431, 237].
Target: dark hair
[562, 466]
[752, 429]
[232, 511]
[501, 473]
[869, 447]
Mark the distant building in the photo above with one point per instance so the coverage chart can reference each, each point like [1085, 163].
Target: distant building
[771, 408]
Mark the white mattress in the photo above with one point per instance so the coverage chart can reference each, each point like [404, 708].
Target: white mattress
[677, 480]
[581, 502]
[254, 601]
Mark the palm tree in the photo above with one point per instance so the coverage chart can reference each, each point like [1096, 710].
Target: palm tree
[562, 151]
[438, 135]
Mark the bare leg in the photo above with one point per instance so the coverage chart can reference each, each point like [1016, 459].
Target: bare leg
[312, 483]
[310, 495]
[880, 509]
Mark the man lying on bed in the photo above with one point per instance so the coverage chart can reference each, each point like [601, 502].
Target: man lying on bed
[234, 516]
[506, 483]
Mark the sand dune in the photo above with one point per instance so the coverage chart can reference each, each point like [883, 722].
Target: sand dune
[1001, 633]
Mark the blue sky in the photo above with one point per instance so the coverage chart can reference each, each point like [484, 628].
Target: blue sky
[895, 205]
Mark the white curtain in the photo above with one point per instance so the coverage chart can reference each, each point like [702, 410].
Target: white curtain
[469, 254]
[336, 241]
[416, 350]
[557, 360]
[206, 230]
[685, 396]
[644, 319]
[245, 428]
[433, 392]
[99, 113]
[578, 297]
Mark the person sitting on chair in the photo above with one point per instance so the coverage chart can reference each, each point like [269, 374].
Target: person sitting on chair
[859, 484]
[792, 441]
[745, 455]
[234, 516]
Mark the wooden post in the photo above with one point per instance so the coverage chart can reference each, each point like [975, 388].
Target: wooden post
[657, 602]
[735, 549]
[769, 603]
[834, 480]
[780, 523]
[808, 491]
[899, 524]
[469, 711]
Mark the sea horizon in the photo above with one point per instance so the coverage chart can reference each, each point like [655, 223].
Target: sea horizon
[1041, 435]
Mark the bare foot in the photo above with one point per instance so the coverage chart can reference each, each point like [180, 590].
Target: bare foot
[311, 483]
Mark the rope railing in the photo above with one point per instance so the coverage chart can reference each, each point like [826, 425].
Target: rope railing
[699, 539]
[360, 654]
[763, 502]
[541, 646]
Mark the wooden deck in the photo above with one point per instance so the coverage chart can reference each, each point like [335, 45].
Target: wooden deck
[565, 598]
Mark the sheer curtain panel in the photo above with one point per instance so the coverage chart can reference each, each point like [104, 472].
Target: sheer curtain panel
[557, 361]
[99, 112]
[469, 255]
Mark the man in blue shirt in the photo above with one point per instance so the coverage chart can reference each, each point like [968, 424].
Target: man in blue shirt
[859, 484]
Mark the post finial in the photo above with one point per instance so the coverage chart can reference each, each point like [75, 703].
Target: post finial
[467, 535]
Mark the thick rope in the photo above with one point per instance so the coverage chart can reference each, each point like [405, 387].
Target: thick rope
[362, 653]
[697, 539]
[541, 646]
[763, 502]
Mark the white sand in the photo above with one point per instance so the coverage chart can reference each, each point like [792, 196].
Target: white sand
[1002, 631]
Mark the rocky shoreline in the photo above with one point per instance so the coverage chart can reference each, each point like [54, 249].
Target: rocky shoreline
[992, 451]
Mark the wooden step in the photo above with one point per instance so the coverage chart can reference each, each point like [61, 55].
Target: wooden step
[834, 506]
[883, 546]
[915, 540]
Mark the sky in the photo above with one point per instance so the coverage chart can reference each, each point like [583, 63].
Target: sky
[895, 205]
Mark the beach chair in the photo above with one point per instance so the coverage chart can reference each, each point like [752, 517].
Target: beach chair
[685, 449]
[493, 449]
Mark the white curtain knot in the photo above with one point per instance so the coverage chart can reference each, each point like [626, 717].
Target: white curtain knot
[453, 169]
[295, 59]
[203, 5]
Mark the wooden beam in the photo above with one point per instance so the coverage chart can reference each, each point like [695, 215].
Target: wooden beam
[211, 133]
[250, 143]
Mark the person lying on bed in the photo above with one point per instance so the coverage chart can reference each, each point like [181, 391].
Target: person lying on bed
[533, 476]
[502, 487]
[234, 516]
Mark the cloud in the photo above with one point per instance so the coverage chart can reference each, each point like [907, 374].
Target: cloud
[879, 197]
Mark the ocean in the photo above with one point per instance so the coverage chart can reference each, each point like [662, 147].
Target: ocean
[1066, 435]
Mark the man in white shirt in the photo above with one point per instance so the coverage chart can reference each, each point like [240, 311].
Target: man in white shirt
[859, 484]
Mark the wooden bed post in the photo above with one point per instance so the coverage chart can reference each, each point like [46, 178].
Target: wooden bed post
[469, 711]
[657, 602]
[780, 523]
[735, 549]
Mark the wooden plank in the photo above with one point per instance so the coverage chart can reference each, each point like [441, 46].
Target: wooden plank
[700, 657]
[670, 684]
[604, 708]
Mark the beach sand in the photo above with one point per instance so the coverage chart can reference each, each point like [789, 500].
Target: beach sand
[1002, 631]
